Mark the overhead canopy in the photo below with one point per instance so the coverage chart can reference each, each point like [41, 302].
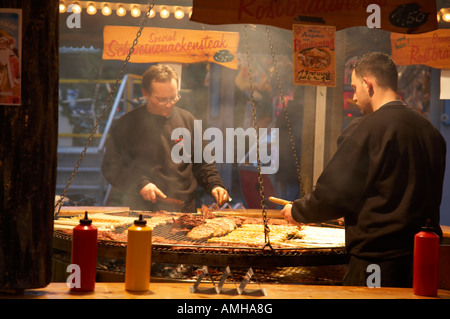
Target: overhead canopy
[401, 16]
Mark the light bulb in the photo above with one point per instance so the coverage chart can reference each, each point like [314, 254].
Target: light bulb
[164, 13]
[446, 17]
[106, 10]
[76, 8]
[62, 7]
[135, 11]
[179, 13]
[121, 10]
[445, 14]
[91, 9]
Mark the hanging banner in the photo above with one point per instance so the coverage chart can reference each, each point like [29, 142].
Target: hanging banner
[171, 45]
[431, 48]
[10, 56]
[402, 16]
[314, 55]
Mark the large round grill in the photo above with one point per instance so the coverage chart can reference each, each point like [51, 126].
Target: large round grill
[176, 248]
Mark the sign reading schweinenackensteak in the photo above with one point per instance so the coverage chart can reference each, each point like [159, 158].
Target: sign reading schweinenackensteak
[171, 45]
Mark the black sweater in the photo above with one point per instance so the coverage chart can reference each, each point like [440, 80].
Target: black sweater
[138, 152]
[385, 178]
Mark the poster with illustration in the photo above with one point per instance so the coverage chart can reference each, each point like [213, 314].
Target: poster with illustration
[10, 56]
[314, 55]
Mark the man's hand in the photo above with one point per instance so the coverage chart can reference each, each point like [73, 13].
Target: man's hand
[287, 214]
[220, 194]
[150, 192]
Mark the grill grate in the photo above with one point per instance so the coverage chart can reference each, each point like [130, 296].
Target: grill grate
[169, 238]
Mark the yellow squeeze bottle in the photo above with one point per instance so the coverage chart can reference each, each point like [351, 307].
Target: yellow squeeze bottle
[139, 253]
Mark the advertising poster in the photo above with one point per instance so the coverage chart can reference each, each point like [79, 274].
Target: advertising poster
[10, 56]
[314, 55]
[171, 45]
[430, 48]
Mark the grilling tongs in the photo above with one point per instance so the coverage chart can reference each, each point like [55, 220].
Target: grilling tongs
[332, 223]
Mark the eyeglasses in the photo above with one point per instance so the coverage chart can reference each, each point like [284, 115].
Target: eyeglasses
[172, 100]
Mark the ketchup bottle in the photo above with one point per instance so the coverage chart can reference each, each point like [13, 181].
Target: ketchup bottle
[139, 253]
[426, 262]
[84, 253]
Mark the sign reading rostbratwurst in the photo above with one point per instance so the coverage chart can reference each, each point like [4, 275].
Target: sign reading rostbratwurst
[431, 49]
[402, 16]
[171, 45]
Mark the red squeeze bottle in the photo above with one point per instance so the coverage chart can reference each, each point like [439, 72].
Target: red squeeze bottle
[84, 253]
[426, 262]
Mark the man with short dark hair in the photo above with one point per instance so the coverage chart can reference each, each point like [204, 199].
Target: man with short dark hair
[385, 179]
[138, 158]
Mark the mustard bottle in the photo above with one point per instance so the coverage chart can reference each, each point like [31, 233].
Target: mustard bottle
[138, 256]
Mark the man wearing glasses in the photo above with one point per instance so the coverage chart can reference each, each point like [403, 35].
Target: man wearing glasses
[138, 161]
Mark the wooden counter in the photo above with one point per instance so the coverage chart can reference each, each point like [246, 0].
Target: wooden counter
[181, 290]
[175, 291]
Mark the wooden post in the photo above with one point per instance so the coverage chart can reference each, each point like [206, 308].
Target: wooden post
[319, 135]
[308, 130]
[221, 115]
[28, 148]
[335, 101]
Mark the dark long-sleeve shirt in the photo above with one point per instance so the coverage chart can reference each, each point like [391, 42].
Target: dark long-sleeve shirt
[138, 152]
[385, 178]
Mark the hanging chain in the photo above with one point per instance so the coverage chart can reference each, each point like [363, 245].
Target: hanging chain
[255, 126]
[105, 107]
[285, 112]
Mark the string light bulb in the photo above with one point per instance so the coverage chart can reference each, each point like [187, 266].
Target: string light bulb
[106, 10]
[121, 11]
[76, 8]
[164, 13]
[179, 13]
[135, 11]
[62, 7]
[91, 9]
[446, 16]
